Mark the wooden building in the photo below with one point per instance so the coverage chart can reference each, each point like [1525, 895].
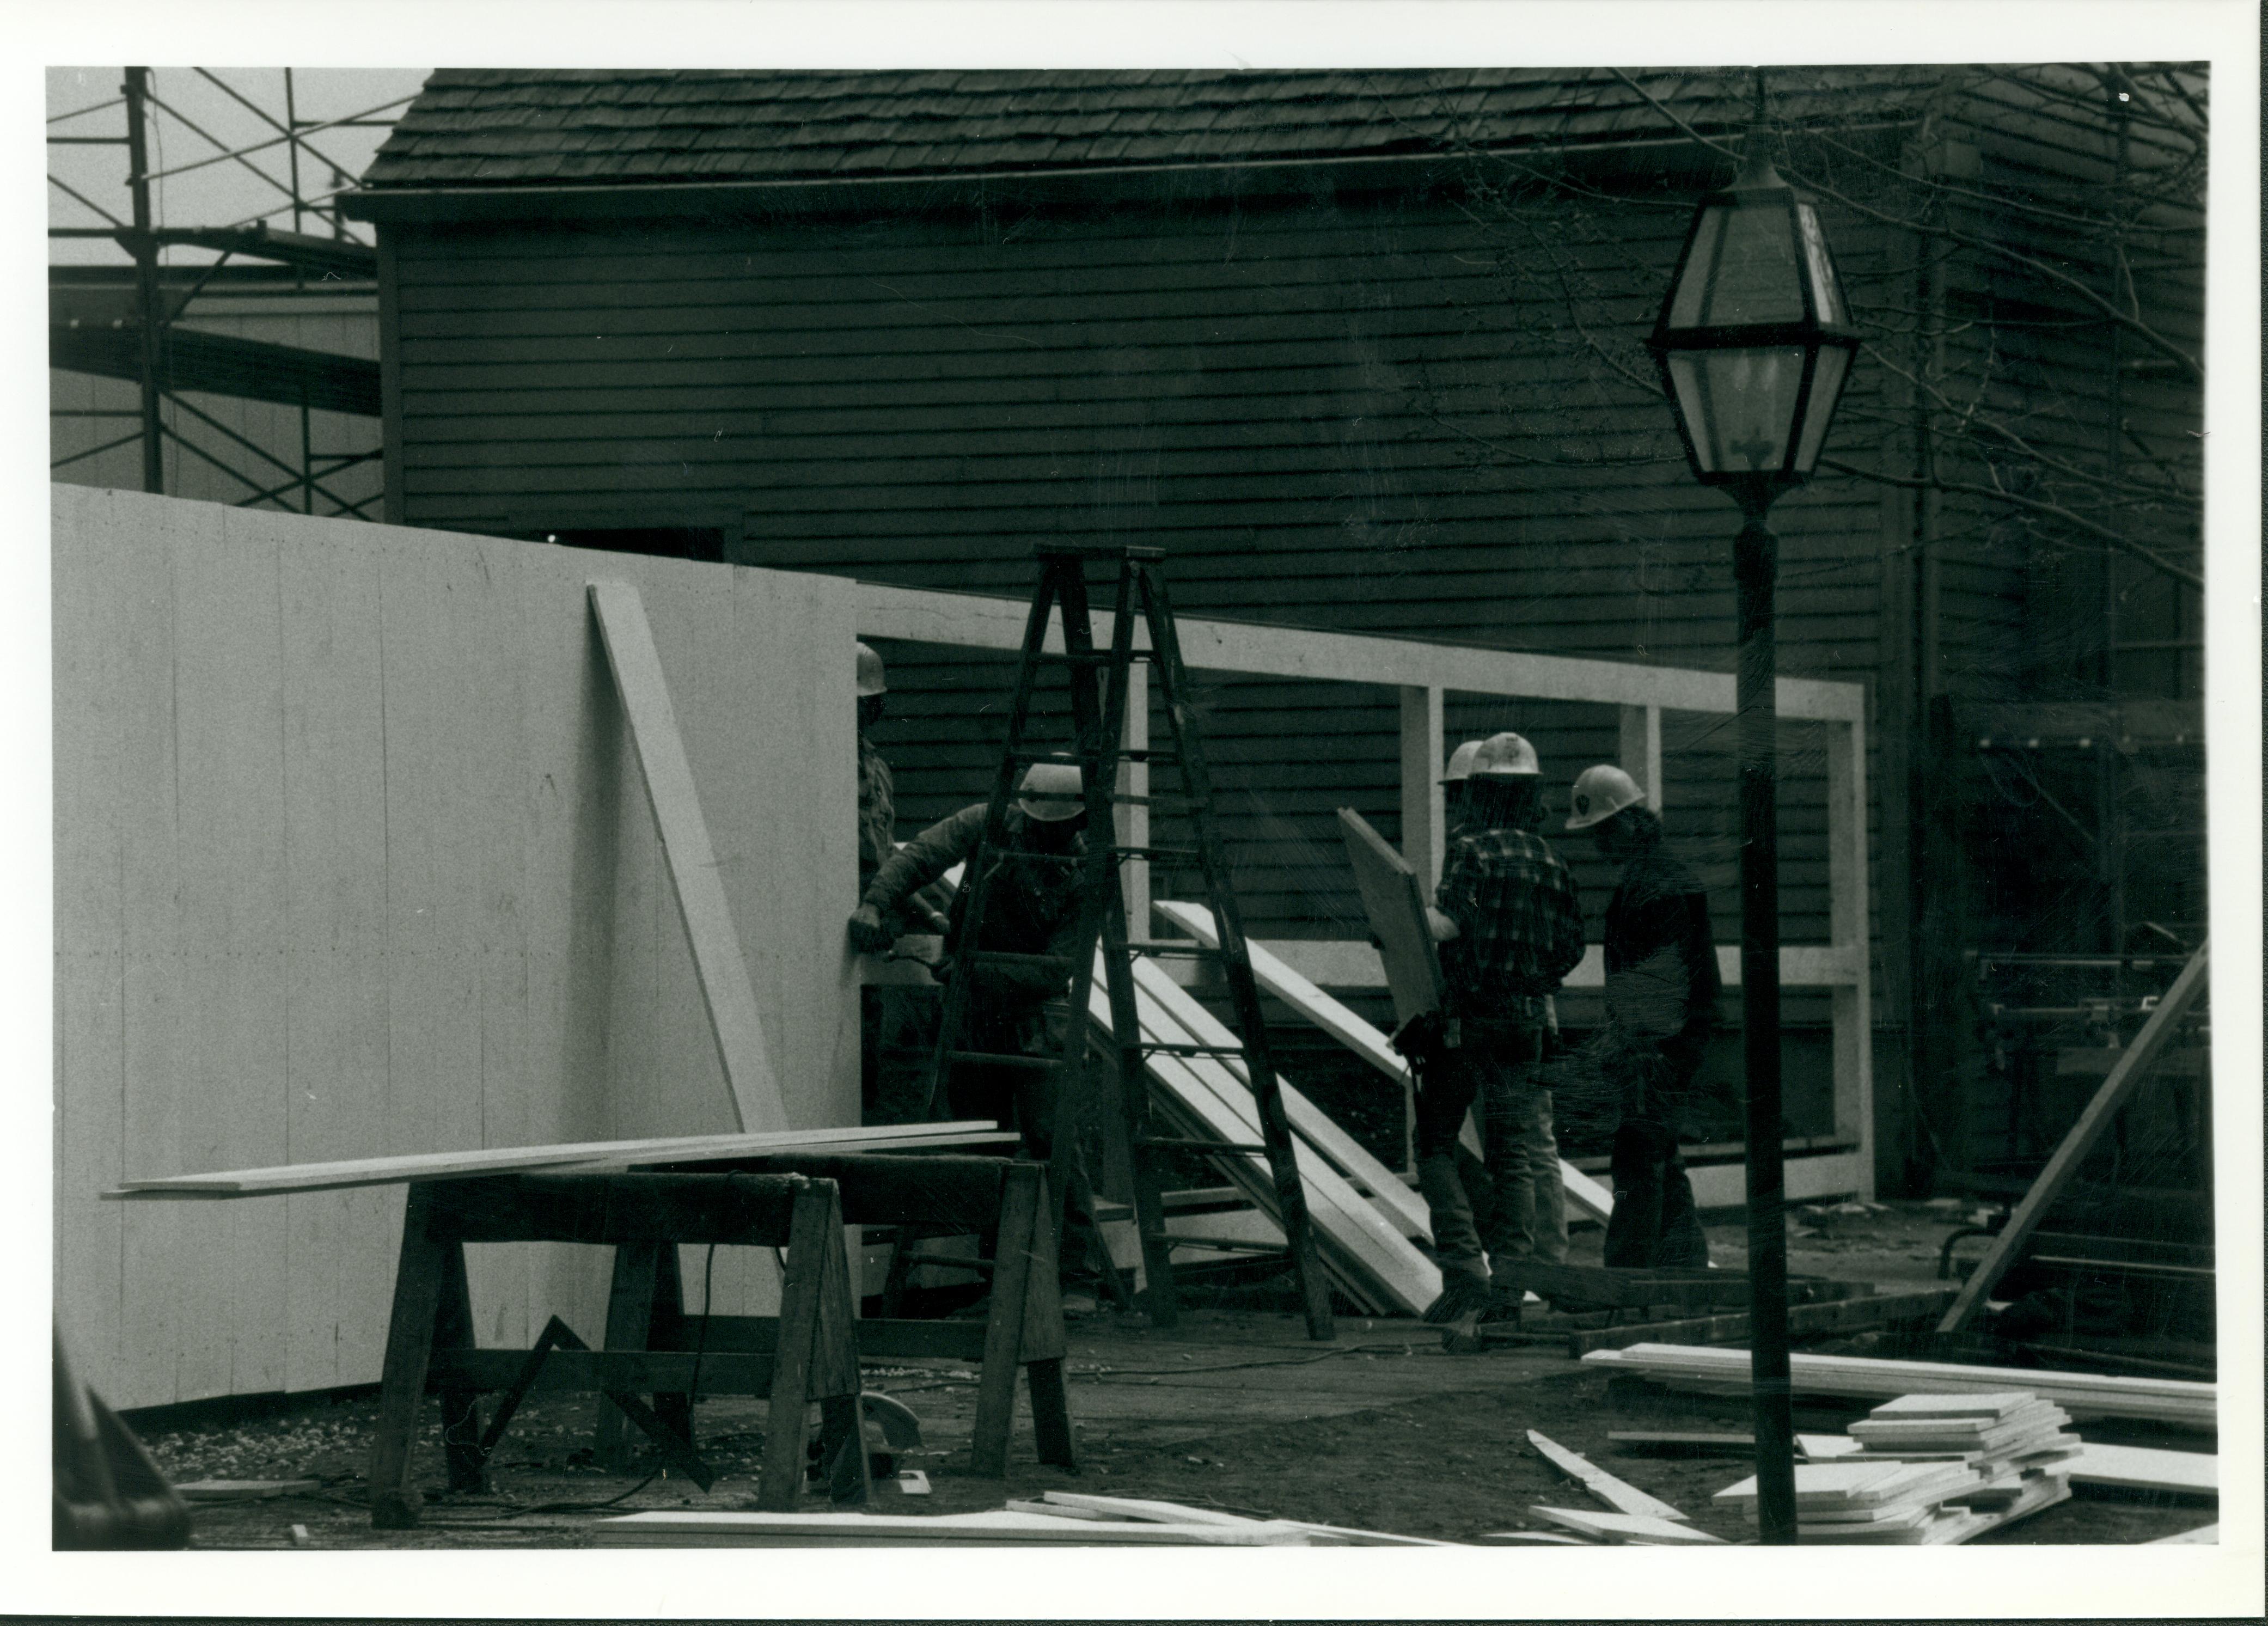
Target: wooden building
[1360, 351]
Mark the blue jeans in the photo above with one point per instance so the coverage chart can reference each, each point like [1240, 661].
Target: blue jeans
[1494, 1074]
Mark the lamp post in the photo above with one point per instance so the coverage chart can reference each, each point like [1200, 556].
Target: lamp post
[1754, 343]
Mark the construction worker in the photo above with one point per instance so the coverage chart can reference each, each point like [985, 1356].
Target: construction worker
[1661, 999]
[877, 791]
[1510, 929]
[1030, 908]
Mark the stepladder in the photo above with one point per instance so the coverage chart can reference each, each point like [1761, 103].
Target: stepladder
[1092, 1068]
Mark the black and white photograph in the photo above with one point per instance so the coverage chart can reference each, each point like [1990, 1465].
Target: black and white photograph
[1211, 787]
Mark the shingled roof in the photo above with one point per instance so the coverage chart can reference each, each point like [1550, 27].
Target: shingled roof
[502, 127]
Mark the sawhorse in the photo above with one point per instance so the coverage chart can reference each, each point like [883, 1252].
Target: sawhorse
[1023, 1330]
[812, 1355]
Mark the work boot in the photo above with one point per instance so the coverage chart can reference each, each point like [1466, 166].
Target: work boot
[1503, 1307]
[1460, 1292]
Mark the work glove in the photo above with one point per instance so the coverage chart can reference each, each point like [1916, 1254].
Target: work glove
[868, 934]
[1419, 1039]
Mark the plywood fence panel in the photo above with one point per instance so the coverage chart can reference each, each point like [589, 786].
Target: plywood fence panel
[352, 858]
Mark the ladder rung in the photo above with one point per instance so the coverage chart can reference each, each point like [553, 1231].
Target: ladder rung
[1001, 1058]
[1143, 754]
[1076, 658]
[1218, 1244]
[1162, 1049]
[946, 1261]
[1035, 962]
[1154, 1142]
[1168, 855]
[1108, 552]
[1174, 951]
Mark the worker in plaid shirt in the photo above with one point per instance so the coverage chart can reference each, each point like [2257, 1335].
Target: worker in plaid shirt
[1510, 929]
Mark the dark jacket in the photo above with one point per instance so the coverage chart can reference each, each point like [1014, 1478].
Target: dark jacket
[1032, 906]
[1660, 955]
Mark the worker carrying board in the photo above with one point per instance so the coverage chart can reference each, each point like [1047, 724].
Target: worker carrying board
[1510, 929]
[1662, 984]
[1031, 907]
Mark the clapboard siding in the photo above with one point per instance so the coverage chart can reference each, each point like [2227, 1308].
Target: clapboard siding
[1357, 414]
[352, 859]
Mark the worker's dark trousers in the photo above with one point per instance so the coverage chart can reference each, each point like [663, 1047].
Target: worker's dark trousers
[1655, 1223]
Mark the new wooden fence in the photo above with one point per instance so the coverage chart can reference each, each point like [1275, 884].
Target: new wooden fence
[352, 858]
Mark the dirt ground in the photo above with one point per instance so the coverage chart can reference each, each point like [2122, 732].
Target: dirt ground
[1234, 1410]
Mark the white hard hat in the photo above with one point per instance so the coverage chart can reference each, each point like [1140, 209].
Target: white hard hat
[1460, 762]
[1051, 792]
[870, 673]
[1504, 756]
[1599, 793]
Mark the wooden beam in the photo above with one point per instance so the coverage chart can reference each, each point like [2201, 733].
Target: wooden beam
[723, 972]
[976, 621]
[2125, 1080]
[1640, 750]
[1424, 814]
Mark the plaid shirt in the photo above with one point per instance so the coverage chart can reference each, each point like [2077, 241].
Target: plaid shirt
[1520, 929]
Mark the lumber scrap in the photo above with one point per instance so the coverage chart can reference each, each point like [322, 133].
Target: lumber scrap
[1072, 1504]
[719, 965]
[2126, 1079]
[1341, 1024]
[1835, 1315]
[1624, 1498]
[578, 1156]
[2137, 1467]
[1632, 1528]
[2180, 1403]
[245, 1490]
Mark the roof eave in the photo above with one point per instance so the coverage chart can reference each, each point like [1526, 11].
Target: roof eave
[1194, 182]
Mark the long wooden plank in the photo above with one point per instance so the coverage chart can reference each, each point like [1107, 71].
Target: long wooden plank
[454, 1164]
[2126, 1079]
[1341, 1024]
[1393, 899]
[734, 1022]
[2169, 1400]
[2137, 1467]
[1359, 1238]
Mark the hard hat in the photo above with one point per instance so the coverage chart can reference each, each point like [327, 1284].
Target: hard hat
[1051, 792]
[1460, 762]
[1600, 792]
[1504, 756]
[870, 680]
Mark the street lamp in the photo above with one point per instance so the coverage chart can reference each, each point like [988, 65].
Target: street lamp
[1754, 343]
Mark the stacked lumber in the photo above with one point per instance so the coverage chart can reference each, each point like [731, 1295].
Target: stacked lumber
[1367, 1256]
[1929, 1470]
[1893, 1504]
[1994, 1434]
[1706, 1370]
[1618, 1529]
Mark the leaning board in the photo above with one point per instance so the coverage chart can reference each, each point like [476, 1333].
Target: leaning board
[1396, 906]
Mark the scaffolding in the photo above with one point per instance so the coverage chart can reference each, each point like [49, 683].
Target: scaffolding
[142, 339]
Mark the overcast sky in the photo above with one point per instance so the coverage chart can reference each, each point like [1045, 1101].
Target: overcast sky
[227, 193]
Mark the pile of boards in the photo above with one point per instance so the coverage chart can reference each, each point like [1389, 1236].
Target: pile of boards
[1928, 1470]
[1056, 1519]
[2176, 1402]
